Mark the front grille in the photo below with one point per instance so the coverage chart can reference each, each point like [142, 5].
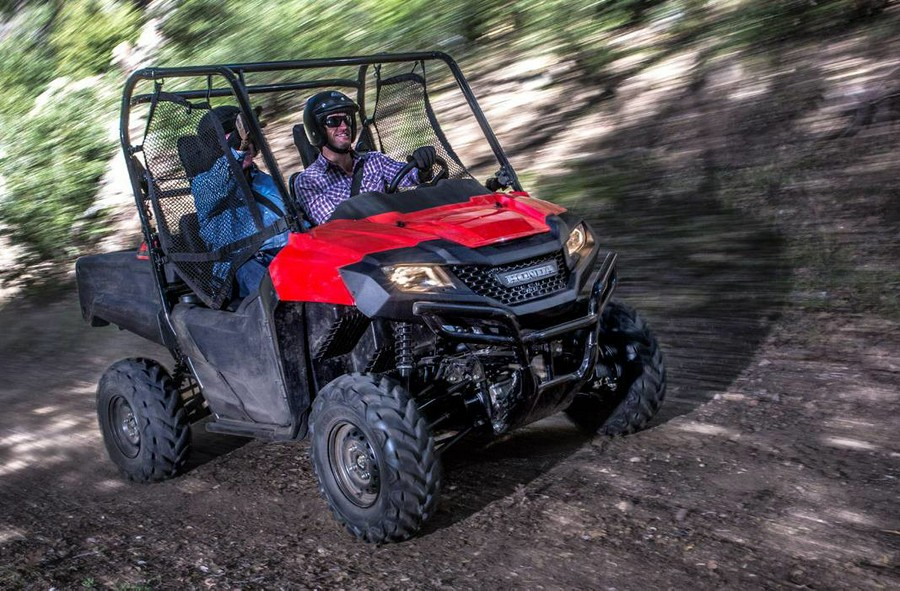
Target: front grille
[482, 279]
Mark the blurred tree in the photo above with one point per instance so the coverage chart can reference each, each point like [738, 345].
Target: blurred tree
[26, 63]
[195, 23]
[870, 7]
[207, 31]
[765, 23]
[10, 7]
[52, 154]
[51, 174]
[86, 32]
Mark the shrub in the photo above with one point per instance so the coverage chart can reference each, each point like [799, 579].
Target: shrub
[52, 156]
[26, 64]
[207, 31]
[766, 23]
[85, 33]
[51, 173]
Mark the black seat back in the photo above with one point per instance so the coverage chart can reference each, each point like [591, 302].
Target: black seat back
[308, 153]
[195, 156]
[366, 143]
[292, 187]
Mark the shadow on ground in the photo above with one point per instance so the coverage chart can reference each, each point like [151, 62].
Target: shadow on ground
[710, 281]
[710, 292]
[51, 362]
[711, 278]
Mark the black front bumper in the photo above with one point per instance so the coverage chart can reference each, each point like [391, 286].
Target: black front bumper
[498, 326]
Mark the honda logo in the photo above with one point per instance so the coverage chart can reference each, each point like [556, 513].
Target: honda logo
[527, 275]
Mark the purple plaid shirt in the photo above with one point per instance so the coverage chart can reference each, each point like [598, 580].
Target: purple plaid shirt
[324, 185]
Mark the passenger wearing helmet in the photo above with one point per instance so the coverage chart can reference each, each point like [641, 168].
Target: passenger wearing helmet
[330, 122]
[223, 213]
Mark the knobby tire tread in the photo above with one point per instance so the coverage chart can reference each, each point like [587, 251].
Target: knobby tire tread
[631, 407]
[413, 475]
[164, 427]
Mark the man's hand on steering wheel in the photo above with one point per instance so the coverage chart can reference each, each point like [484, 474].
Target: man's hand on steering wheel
[424, 157]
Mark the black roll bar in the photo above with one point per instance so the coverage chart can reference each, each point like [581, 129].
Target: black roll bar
[235, 75]
[239, 91]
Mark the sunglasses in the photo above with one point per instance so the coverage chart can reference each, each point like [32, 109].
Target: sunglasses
[336, 120]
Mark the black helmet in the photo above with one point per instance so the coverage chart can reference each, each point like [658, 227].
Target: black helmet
[320, 106]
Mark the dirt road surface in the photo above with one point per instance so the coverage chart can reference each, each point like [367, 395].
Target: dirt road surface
[765, 259]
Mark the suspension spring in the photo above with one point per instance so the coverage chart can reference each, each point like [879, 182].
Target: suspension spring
[403, 348]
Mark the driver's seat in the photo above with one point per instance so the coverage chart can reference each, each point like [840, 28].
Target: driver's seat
[308, 153]
[307, 221]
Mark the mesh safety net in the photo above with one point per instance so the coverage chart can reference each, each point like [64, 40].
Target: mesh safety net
[404, 119]
[207, 216]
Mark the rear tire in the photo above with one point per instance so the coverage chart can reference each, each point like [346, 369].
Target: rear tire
[641, 386]
[374, 456]
[142, 420]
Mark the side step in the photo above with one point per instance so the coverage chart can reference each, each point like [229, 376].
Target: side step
[261, 431]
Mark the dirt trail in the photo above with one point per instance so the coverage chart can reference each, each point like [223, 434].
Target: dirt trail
[787, 477]
[775, 466]
[764, 258]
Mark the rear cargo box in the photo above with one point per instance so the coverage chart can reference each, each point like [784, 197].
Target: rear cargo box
[118, 288]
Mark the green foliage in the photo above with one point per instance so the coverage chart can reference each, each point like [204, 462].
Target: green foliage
[762, 23]
[52, 157]
[51, 173]
[86, 31]
[210, 31]
[196, 23]
[25, 62]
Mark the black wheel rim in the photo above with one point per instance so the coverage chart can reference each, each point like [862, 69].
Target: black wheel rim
[354, 464]
[124, 427]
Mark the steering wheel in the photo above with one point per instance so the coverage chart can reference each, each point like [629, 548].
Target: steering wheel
[443, 172]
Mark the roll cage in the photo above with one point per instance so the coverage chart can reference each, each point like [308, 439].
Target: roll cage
[163, 168]
[238, 87]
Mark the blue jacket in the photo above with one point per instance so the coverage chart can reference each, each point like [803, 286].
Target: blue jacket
[224, 214]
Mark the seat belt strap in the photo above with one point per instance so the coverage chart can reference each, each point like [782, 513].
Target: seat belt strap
[357, 178]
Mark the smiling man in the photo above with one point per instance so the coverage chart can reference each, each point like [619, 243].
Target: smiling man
[340, 172]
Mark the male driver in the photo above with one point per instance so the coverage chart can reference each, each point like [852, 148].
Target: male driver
[330, 122]
[222, 211]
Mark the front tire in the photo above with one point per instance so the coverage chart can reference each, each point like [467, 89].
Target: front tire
[639, 377]
[374, 456]
[144, 425]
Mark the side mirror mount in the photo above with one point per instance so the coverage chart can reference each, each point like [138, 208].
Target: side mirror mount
[501, 180]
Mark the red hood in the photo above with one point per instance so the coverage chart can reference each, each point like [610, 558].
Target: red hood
[320, 253]
[481, 221]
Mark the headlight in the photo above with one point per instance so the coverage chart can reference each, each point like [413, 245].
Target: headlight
[418, 278]
[579, 239]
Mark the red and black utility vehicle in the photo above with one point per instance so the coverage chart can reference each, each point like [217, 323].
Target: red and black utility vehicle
[408, 320]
